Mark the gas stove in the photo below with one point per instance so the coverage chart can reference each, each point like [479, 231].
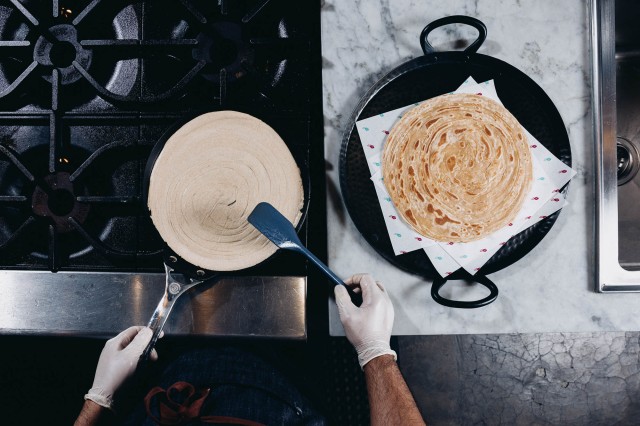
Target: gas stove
[87, 88]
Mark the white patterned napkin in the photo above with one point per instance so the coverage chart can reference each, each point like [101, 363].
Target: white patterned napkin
[544, 198]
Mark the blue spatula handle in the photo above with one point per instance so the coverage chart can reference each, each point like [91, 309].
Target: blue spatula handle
[355, 297]
[324, 268]
[277, 228]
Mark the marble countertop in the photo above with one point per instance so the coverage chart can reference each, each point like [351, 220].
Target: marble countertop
[552, 288]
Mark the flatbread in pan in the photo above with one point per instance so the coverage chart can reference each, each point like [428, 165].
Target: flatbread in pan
[208, 178]
[457, 167]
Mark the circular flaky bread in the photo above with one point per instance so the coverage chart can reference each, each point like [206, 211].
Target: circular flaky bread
[208, 178]
[457, 167]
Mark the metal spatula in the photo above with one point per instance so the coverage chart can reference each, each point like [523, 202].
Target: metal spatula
[280, 231]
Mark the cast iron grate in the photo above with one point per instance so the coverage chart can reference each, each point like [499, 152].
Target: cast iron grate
[88, 87]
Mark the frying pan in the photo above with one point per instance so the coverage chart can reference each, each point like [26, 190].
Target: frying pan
[425, 77]
[180, 275]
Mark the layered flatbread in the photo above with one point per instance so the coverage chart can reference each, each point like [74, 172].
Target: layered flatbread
[208, 178]
[457, 167]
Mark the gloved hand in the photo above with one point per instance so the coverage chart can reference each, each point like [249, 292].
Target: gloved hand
[118, 361]
[367, 327]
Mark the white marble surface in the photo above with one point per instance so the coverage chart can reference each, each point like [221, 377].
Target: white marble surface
[551, 289]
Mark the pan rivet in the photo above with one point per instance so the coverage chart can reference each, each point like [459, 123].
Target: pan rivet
[200, 273]
[174, 288]
[173, 259]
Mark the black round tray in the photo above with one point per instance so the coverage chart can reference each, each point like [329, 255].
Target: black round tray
[425, 77]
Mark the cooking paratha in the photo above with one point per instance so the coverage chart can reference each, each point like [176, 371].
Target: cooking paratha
[457, 167]
[209, 177]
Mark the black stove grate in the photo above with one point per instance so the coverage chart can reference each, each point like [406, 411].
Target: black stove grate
[88, 87]
[152, 53]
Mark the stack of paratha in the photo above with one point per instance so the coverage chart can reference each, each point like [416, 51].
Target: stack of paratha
[457, 167]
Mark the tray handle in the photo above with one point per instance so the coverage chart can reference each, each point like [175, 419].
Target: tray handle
[482, 279]
[427, 48]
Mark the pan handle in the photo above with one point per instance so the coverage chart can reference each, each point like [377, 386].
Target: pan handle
[439, 282]
[427, 48]
[157, 321]
[172, 290]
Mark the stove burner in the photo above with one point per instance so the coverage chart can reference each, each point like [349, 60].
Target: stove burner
[55, 198]
[87, 90]
[628, 160]
[62, 54]
[59, 48]
[222, 48]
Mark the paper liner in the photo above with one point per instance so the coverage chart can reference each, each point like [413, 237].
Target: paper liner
[544, 198]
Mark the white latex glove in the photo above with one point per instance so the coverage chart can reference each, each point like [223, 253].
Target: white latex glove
[118, 361]
[367, 327]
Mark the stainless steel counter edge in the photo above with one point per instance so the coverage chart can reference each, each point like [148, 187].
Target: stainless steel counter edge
[610, 276]
[76, 304]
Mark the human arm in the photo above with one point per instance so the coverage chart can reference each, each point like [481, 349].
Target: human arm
[368, 328]
[93, 414]
[390, 399]
[118, 361]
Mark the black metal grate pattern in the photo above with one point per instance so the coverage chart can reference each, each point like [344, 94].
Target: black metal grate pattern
[88, 87]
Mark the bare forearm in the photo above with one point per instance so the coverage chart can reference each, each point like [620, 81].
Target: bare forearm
[390, 400]
[92, 414]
